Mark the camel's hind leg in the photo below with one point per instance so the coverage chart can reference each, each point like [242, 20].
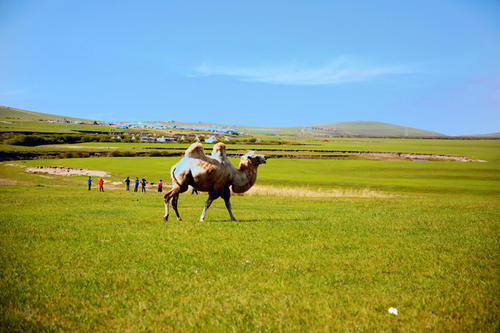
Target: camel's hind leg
[175, 198]
[168, 196]
[226, 196]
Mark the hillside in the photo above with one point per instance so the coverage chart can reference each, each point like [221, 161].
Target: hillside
[13, 119]
[7, 112]
[373, 128]
[19, 120]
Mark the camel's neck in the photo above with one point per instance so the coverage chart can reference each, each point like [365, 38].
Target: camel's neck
[245, 177]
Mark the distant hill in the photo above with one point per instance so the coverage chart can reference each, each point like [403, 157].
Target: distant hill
[13, 119]
[14, 113]
[487, 135]
[373, 128]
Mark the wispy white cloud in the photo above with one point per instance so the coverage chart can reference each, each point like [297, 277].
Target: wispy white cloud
[339, 70]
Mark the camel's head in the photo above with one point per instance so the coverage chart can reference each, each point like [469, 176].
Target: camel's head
[254, 158]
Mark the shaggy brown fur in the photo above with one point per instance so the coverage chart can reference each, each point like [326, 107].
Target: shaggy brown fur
[213, 174]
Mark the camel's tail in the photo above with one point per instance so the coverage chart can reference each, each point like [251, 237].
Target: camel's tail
[172, 173]
[173, 177]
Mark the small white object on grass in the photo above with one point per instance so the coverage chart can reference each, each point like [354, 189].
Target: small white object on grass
[394, 311]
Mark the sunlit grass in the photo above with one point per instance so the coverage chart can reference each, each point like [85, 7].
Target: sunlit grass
[320, 245]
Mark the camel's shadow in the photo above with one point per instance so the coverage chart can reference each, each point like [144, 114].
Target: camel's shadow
[254, 220]
[239, 221]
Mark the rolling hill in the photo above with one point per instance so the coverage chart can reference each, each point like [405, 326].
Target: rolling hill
[7, 112]
[373, 128]
[14, 119]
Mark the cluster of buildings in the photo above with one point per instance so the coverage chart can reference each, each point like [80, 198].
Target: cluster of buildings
[211, 139]
[143, 125]
[66, 121]
[210, 128]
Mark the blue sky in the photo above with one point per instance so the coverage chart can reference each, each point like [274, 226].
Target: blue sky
[433, 65]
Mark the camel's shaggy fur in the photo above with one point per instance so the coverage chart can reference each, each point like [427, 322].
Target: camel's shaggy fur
[214, 174]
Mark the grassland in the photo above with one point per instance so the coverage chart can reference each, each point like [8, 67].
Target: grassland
[425, 242]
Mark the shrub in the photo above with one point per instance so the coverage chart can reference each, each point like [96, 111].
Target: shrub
[154, 153]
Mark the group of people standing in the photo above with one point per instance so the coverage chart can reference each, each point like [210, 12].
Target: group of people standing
[127, 181]
[142, 182]
[101, 184]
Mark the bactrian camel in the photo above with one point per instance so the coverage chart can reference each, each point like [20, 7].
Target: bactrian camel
[214, 174]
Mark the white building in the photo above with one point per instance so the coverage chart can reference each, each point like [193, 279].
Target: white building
[211, 139]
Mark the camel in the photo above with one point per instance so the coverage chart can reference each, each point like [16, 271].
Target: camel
[214, 174]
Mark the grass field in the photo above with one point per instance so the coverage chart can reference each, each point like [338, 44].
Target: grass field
[424, 239]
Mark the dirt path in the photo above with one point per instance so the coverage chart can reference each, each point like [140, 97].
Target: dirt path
[63, 171]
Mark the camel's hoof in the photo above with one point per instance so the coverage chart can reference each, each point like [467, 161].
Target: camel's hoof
[202, 220]
[165, 218]
[234, 220]
[179, 219]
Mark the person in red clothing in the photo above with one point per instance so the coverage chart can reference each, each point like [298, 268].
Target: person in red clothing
[101, 183]
[160, 186]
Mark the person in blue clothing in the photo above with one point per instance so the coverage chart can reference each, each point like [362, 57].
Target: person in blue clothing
[127, 182]
[89, 182]
[136, 184]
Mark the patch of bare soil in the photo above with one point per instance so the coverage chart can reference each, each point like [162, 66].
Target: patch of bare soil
[263, 190]
[63, 171]
[423, 157]
[15, 165]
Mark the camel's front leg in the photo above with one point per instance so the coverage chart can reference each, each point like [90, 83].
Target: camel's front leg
[211, 198]
[207, 204]
[226, 197]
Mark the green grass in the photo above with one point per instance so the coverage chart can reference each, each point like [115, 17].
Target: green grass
[477, 149]
[71, 259]
[400, 176]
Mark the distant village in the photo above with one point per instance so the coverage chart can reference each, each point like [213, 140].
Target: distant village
[158, 126]
[209, 128]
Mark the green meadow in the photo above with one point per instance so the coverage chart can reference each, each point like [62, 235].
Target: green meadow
[422, 237]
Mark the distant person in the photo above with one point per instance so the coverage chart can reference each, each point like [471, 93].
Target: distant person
[89, 182]
[127, 182]
[193, 191]
[160, 186]
[136, 184]
[143, 183]
[101, 185]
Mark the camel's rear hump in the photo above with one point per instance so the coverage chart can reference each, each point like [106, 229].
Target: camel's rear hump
[195, 151]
